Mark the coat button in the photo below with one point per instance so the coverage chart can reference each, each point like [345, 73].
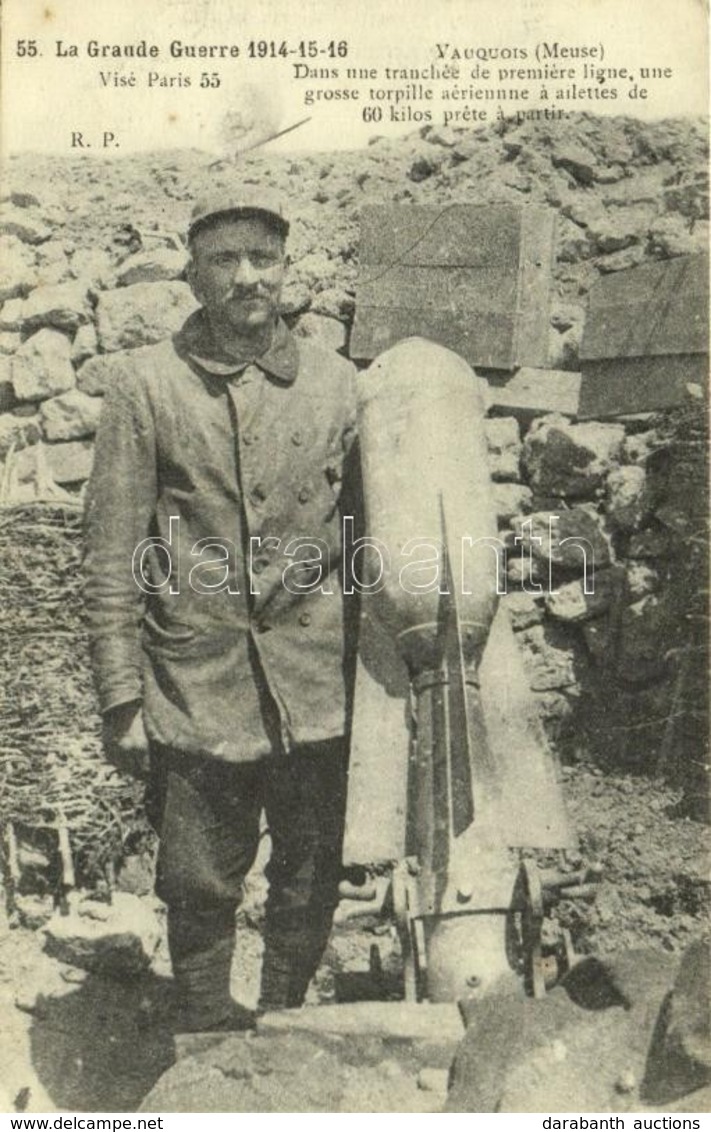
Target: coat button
[258, 494]
[304, 494]
[259, 565]
[297, 438]
[304, 619]
[260, 627]
[250, 438]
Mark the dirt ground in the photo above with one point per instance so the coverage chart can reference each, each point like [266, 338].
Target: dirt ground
[70, 1040]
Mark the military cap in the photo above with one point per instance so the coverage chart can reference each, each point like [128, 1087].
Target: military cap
[250, 201]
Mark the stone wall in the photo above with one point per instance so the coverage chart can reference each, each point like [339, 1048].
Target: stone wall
[91, 267]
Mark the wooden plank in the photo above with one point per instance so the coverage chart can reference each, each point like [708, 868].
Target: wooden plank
[475, 278]
[481, 339]
[457, 235]
[614, 386]
[440, 288]
[655, 309]
[536, 269]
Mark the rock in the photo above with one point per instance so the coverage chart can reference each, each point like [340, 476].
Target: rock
[609, 175]
[442, 135]
[550, 658]
[92, 264]
[640, 445]
[7, 393]
[570, 460]
[690, 196]
[151, 267]
[11, 315]
[85, 344]
[572, 540]
[22, 224]
[17, 268]
[628, 504]
[556, 708]
[9, 342]
[573, 242]
[504, 444]
[680, 1060]
[70, 461]
[642, 579]
[70, 416]
[18, 432]
[295, 298]
[334, 302]
[112, 939]
[329, 332]
[101, 372]
[363, 1056]
[644, 637]
[655, 542]
[421, 169]
[23, 198]
[576, 160]
[511, 499]
[34, 911]
[564, 349]
[142, 314]
[316, 271]
[571, 603]
[526, 573]
[578, 1049]
[622, 260]
[613, 232]
[65, 307]
[523, 610]
[42, 366]
[565, 316]
[52, 264]
[432, 1080]
[136, 874]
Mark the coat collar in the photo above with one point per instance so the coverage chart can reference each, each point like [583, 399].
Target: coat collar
[195, 343]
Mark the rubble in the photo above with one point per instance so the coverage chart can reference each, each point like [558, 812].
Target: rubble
[573, 603]
[628, 503]
[573, 539]
[17, 269]
[21, 223]
[142, 314]
[570, 460]
[64, 306]
[85, 344]
[70, 416]
[117, 939]
[18, 432]
[102, 371]
[42, 366]
[328, 332]
[504, 442]
[151, 267]
[510, 500]
[70, 461]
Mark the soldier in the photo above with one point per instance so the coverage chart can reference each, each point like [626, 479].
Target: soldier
[216, 613]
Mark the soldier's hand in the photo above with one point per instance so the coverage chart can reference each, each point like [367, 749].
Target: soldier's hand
[125, 740]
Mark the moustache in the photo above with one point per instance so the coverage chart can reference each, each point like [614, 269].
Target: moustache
[243, 294]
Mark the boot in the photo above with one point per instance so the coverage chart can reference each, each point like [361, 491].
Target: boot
[290, 961]
[202, 978]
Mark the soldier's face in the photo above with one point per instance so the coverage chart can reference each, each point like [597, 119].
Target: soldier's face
[237, 272]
